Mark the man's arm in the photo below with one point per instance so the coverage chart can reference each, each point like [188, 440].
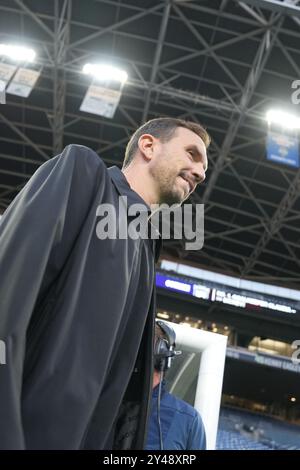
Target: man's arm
[197, 436]
[37, 233]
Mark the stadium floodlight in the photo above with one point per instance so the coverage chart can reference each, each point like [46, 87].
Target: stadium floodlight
[105, 72]
[16, 78]
[286, 120]
[18, 53]
[103, 98]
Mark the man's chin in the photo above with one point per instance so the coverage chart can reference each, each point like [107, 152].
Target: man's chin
[173, 199]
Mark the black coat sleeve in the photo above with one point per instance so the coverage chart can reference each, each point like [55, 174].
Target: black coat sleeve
[37, 233]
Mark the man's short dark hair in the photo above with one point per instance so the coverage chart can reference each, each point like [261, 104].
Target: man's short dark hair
[163, 129]
[158, 333]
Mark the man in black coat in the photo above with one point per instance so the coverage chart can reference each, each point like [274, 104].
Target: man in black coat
[77, 299]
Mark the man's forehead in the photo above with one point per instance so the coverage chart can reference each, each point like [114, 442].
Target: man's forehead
[189, 137]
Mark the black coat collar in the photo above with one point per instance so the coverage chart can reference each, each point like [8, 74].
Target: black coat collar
[124, 189]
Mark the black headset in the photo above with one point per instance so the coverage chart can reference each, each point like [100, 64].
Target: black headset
[164, 348]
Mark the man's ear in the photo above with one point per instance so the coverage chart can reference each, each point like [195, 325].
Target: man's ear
[146, 144]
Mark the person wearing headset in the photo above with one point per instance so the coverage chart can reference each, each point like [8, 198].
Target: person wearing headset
[173, 423]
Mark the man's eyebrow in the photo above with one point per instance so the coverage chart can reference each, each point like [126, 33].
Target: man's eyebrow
[198, 153]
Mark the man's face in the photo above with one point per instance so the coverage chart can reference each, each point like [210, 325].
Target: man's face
[178, 166]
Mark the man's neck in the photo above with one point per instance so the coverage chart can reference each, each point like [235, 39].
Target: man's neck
[156, 378]
[139, 182]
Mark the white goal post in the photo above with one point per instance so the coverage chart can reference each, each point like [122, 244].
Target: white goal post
[198, 374]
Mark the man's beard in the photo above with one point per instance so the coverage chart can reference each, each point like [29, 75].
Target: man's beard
[169, 191]
[170, 196]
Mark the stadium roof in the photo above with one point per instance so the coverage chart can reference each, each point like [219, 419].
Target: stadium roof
[222, 63]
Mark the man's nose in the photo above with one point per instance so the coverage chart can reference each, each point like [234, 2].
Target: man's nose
[198, 173]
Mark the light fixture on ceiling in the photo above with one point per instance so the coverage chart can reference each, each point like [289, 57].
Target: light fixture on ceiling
[282, 118]
[105, 72]
[164, 315]
[17, 53]
[104, 93]
[16, 78]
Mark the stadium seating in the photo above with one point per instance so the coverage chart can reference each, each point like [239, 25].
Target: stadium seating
[243, 430]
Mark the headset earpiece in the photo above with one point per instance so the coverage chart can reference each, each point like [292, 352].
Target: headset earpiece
[164, 347]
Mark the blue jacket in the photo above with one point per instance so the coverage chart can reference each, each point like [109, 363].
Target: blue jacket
[181, 424]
